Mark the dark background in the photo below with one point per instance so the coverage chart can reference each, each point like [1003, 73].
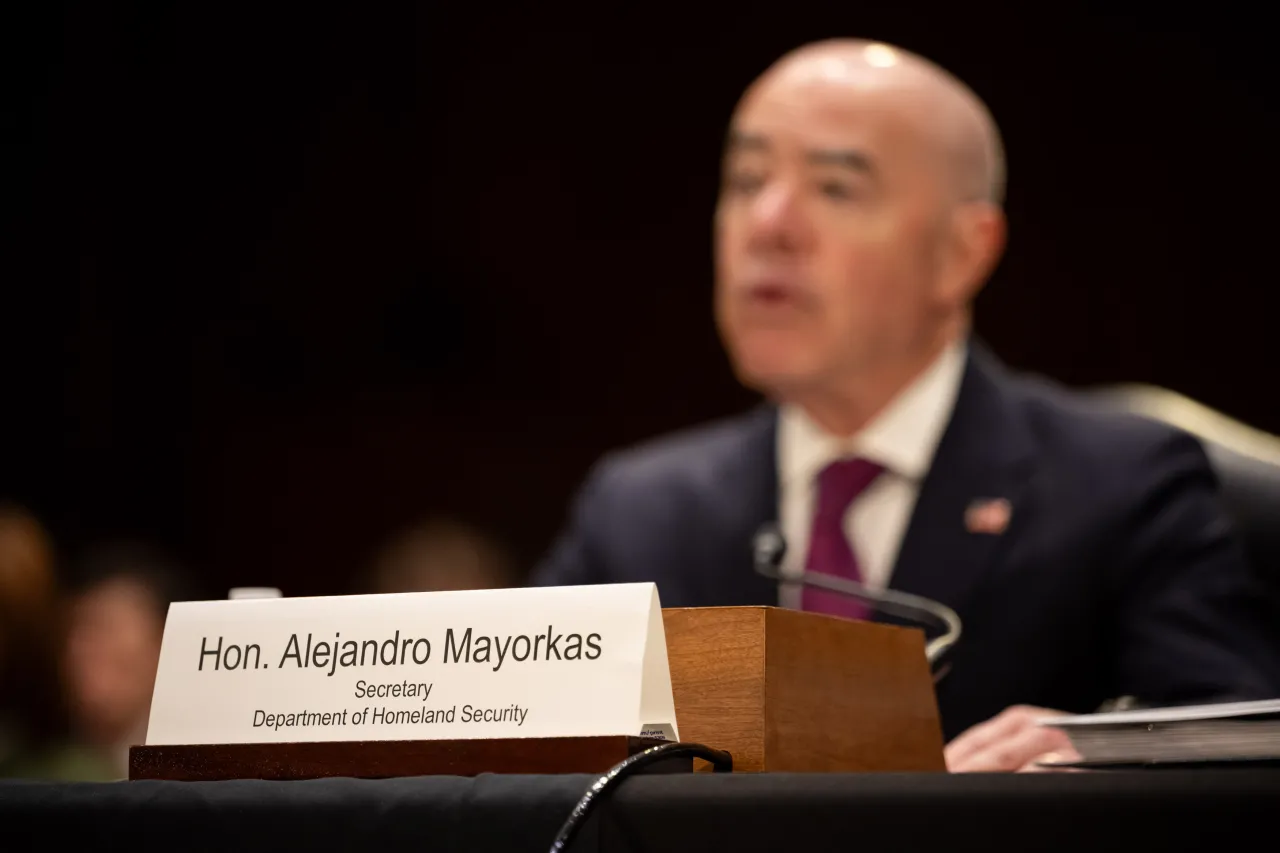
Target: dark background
[276, 282]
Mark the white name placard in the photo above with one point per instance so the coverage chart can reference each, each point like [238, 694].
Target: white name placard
[540, 662]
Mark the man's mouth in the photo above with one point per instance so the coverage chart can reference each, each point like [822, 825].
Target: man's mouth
[775, 294]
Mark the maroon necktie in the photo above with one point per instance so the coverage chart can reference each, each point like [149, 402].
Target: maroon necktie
[830, 551]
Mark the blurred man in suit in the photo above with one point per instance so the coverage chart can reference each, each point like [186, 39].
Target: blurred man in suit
[1087, 553]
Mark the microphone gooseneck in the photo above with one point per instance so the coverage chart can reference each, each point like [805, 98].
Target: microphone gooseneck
[769, 547]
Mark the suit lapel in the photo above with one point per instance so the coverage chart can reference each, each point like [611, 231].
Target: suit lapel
[743, 497]
[984, 456]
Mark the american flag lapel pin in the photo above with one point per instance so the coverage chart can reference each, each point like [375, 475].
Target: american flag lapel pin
[988, 515]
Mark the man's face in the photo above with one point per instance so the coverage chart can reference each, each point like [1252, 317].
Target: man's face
[829, 231]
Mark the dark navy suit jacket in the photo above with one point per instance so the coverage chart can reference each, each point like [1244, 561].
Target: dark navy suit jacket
[1118, 573]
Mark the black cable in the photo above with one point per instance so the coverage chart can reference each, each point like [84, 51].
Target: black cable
[721, 761]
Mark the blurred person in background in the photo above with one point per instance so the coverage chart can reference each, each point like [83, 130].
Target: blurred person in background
[35, 736]
[440, 554]
[116, 611]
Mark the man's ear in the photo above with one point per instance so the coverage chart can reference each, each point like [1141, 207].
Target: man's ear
[976, 243]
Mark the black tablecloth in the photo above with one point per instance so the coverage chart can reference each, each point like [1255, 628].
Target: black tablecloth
[1153, 810]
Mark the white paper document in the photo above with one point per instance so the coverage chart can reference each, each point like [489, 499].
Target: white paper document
[1186, 713]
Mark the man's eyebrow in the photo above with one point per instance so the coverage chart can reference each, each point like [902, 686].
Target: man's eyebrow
[742, 141]
[846, 158]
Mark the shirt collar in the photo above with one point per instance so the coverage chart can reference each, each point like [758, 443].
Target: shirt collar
[902, 438]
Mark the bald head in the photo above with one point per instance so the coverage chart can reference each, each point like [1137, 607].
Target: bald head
[946, 112]
[859, 216]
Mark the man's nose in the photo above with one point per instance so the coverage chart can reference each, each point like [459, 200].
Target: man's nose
[777, 217]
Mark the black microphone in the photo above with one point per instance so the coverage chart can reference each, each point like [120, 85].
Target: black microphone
[769, 547]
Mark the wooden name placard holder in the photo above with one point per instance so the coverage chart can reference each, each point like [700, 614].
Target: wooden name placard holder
[389, 759]
[780, 690]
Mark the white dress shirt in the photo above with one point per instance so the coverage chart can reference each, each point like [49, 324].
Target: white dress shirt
[902, 439]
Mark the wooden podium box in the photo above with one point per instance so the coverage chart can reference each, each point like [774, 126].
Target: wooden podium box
[784, 690]
[781, 690]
